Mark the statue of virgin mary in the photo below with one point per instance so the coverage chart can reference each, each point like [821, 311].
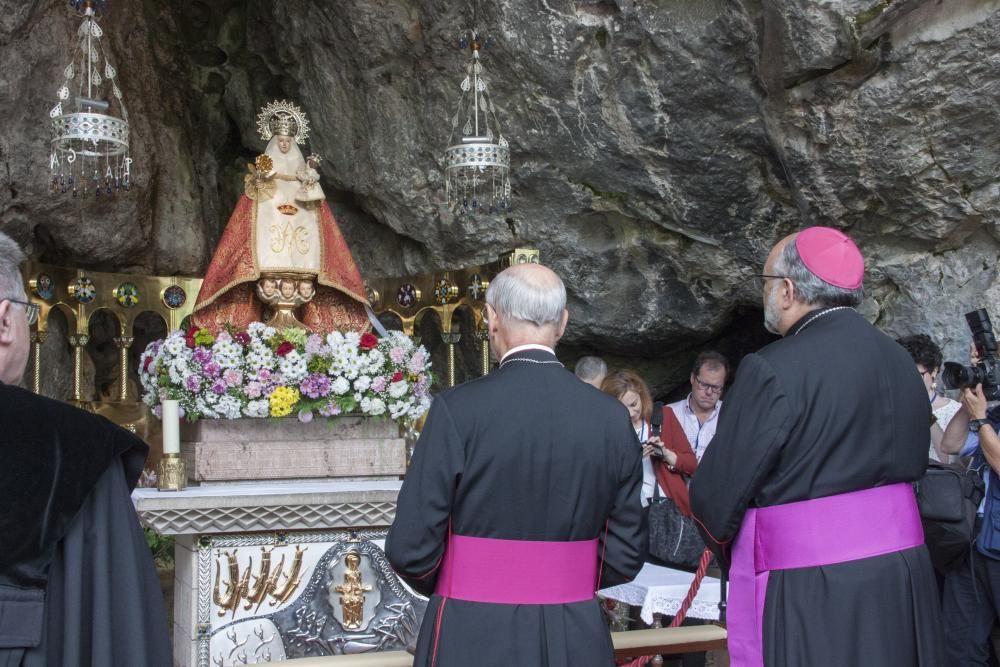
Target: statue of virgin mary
[282, 258]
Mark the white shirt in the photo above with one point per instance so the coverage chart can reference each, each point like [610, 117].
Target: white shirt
[648, 476]
[698, 434]
[529, 346]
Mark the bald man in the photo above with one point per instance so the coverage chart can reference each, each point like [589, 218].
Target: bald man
[807, 484]
[522, 499]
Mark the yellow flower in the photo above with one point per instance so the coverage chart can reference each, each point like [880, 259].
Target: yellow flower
[282, 400]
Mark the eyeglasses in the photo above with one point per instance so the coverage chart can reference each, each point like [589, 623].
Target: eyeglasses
[761, 278]
[32, 308]
[709, 388]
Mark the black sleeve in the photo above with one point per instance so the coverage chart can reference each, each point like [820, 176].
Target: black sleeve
[624, 544]
[416, 540]
[753, 426]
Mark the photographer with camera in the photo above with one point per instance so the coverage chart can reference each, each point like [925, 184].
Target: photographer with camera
[971, 594]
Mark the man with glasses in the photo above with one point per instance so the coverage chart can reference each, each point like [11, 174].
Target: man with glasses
[77, 582]
[698, 414]
[806, 492]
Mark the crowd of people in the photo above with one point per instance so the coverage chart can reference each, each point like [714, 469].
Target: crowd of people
[528, 489]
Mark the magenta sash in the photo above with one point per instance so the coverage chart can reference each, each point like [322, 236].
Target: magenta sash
[810, 533]
[482, 569]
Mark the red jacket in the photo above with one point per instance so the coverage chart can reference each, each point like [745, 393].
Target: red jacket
[674, 482]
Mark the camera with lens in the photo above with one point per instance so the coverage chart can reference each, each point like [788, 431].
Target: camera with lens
[987, 371]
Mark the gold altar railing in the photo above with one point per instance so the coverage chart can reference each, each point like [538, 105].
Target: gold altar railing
[81, 294]
[446, 294]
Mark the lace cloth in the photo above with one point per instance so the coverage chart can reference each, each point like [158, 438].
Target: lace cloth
[661, 590]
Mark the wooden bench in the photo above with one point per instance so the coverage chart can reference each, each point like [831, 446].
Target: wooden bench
[632, 643]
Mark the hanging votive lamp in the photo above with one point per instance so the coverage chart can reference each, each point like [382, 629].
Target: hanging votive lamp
[90, 135]
[477, 160]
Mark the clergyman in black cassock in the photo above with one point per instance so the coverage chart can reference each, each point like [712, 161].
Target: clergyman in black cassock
[833, 407]
[77, 582]
[528, 454]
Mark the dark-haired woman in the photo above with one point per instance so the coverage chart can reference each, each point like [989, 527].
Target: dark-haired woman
[927, 356]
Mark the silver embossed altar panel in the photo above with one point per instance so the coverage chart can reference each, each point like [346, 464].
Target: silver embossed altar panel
[275, 596]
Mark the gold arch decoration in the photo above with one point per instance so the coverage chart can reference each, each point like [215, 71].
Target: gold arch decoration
[79, 295]
[411, 298]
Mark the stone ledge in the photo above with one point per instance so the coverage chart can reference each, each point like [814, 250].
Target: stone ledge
[268, 507]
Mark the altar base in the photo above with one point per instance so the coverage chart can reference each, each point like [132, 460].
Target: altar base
[290, 566]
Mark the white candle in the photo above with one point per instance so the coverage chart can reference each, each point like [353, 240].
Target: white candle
[171, 427]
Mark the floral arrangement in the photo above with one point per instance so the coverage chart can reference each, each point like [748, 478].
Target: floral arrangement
[263, 372]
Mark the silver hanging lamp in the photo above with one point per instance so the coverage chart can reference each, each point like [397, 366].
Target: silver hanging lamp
[90, 144]
[477, 160]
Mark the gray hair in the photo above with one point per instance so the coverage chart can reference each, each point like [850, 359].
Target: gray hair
[589, 368]
[809, 288]
[539, 302]
[11, 282]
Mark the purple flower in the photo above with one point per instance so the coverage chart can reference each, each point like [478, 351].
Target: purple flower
[212, 369]
[158, 411]
[254, 389]
[378, 384]
[314, 344]
[192, 383]
[202, 355]
[331, 409]
[305, 416]
[264, 375]
[397, 355]
[315, 385]
[219, 387]
[232, 377]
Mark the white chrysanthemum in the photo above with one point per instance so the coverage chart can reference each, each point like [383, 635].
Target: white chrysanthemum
[293, 367]
[259, 408]
[335, 340]
[260, 356]
[202, 407]
[373, 406]
[398, 409]
[340, 386]
[229, 407]
[268, 333]
[352, 338]
[398, 389]
[362, 383]
[227, 354]
[175, 345]
[374, 362]
[178, 369]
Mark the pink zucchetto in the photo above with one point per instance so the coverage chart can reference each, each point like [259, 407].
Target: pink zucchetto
[831, 256]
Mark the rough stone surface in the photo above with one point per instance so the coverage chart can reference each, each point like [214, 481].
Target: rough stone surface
[219, 450]
[659, 149]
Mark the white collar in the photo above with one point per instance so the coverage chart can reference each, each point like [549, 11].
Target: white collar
[529, 346]
[715, 410]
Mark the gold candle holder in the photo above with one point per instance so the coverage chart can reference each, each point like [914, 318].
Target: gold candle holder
[172, 475]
